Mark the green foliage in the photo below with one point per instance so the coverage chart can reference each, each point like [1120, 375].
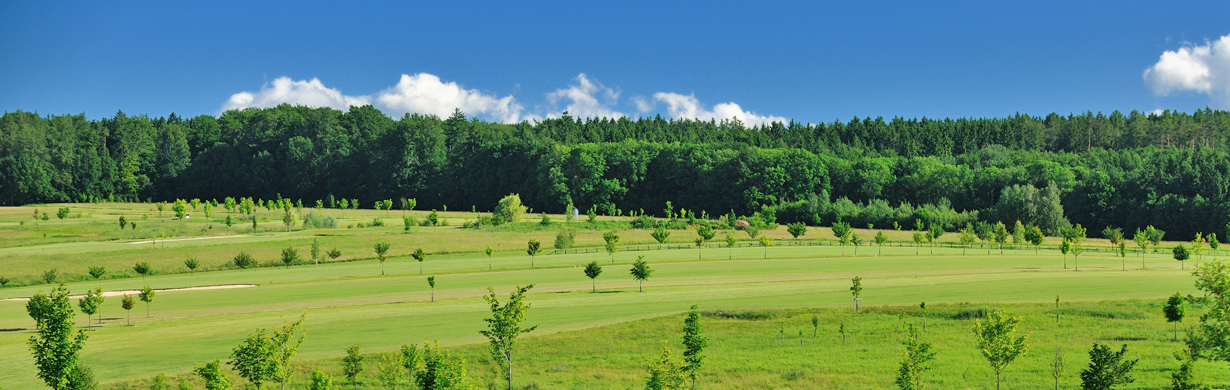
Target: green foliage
[192, 263]
[98, 272]
[50, 276]
[334, 254]
[660, 234]
[1184, 377]
[1209, 340]
[244, 261]
[564, 239]
[314, 220]
[640, 272]
[510, 209]
[504, 327]
[352, 364]
[142, 268]
[382, 250]
[265, 356]
[916, 361]
[751, 231]
[666, 373]
[1154, 236]
[592, 270]
[146, 295]
[994, 337]
[706, 232]
[321, 381]
[91, 302]
[389, 365]
[1181, 253]
[1037, 207]
[841, 231]
[289, 256]
[55, 346]
[418, 256]
[160, 383]
[694, 343]
[796, 229]
[1107, 368]
[442, 370]
[410, 359]
[213, 376]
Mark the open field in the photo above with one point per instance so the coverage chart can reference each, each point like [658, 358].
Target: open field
[586, 340]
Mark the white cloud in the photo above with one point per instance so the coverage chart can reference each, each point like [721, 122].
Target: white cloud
[1201, 69]
[643, 105]
[589, 99]
[688, 107]
[310, 93]
[425, 94]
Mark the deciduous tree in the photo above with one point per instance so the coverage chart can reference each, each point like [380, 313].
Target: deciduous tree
[660, 234]
[352, 364]
[914, 364]
[146, 295]
[213, 376]
[142, 268]
[431, 281]
[98, 272]
[382, 252]
[641, 272]
[265, 356]
[796, 229]
[289, 256]
[128, 303]
[665, 373]
[419, 256]
[994, 336]
[612, 244]
[694, 343]
[1181, 254]
[504, 327]
[56, 347]
[592, 270]
[1174, 311]
[856, 289]
[533, 247]
[1107, 368]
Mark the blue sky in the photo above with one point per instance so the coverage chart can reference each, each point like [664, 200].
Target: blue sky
[510, 61]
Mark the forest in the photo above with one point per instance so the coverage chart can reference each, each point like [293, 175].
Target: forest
[1168, 169]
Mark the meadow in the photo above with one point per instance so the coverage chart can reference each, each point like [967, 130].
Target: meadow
[755, 300]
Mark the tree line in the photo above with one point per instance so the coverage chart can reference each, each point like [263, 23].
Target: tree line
[1127, 171]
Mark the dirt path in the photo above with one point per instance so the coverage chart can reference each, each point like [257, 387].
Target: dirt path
[135, 292]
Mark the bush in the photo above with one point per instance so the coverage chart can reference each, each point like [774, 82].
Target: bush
[377, 222]
[741, 315]
[644, 222]
[244, 260]
[318, 221]
[510, 208]
[974, 313]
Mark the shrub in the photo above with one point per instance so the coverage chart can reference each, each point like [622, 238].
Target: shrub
[510, 208]
[742, 315]
[318, 221]
[244, 260]
[644, 222]
[972, 313]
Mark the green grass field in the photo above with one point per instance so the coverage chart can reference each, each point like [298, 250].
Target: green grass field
[585, 340]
